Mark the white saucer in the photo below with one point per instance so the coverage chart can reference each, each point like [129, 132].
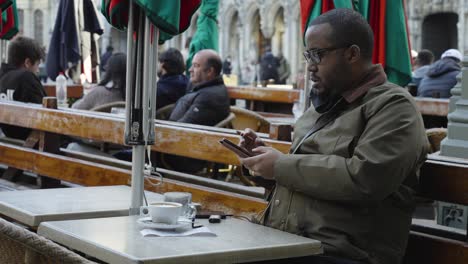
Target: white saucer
[147, 223]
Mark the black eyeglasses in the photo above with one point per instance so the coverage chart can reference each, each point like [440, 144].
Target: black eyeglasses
[314, 56]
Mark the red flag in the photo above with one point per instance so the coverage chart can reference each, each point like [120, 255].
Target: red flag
[306, 10]
[9, 23]
[377, 18]
[4, 4]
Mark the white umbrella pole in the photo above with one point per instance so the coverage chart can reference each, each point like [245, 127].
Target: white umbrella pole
[138, 152]
[307, 84]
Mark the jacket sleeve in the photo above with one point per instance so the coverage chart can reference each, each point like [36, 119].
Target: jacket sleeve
[89, 100]
[34, 91]
[390, 148]
[198, 113]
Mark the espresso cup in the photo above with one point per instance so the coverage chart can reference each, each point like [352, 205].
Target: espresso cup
[185, 198]
[163, 212]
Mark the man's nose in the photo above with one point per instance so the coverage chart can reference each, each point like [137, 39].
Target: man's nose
[312, 67]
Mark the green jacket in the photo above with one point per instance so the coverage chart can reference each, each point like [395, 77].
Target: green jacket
[350, 185]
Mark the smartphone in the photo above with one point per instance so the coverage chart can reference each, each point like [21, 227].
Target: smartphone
[240, 151]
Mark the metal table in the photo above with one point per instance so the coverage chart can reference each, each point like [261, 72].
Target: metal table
[118, 240]
[31, 207]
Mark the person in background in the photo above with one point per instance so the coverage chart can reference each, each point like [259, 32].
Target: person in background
[20, 75]
[105, 57]
[206, 103]
[441, 76]
[111, 88]
[283, 69]
[268, 67]
[227, 66]
[421, 66]
[172, 82]
[355, 158]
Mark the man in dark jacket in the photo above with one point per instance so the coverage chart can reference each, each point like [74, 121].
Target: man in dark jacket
[441, 76]
[206, 103]
[207, 100]
[269, 67]
[172, 81]
[20, 75]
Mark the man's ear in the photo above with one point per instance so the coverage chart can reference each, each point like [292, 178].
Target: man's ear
[211, 71]
[28, 63]
[353, 54]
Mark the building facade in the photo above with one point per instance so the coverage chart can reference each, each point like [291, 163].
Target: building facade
[247, 27]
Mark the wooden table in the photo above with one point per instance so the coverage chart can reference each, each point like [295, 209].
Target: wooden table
[118, 240]
[31, 207]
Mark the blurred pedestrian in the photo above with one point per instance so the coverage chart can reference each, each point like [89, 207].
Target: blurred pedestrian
[441, 76]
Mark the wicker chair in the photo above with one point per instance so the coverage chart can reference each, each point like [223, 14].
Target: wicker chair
[226, 123]
[19, 245]
[249, 119]
[435, 137]
[164, 112]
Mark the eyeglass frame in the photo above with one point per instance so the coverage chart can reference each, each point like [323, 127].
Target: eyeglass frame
[308, 54]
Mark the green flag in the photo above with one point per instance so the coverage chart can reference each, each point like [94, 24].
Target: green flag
[206, 36]
[398, 58]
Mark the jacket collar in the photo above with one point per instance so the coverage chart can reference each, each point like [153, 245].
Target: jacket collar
[216, 81]
[375, 77]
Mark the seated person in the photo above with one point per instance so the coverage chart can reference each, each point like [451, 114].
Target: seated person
[20, 75]
[207, 100]
[172, 82]
[441, 76]
[206, 103]
[111, 88]
[354, 162]
[421, 66]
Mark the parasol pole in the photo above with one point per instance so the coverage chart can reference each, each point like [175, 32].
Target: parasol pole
[140, 102]
[306, 92]
[137, 151]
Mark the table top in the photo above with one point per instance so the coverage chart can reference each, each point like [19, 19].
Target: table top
[118, 240]
[31, 207]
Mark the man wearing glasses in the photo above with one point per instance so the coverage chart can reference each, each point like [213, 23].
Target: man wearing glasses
[349, 177]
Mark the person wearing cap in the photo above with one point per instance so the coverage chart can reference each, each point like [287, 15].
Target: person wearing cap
[441, 76]
[422, 63]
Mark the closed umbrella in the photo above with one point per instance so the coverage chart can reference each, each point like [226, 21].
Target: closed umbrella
[146, 19]
[64, 47]
[206, 36]
[9, 22]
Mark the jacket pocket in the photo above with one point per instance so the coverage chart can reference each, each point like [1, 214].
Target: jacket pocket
[344, 146]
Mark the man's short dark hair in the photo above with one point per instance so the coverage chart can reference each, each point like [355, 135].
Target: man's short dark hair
[349, 28]
[173, 61]
[216, 63]
[425, 57]
[22, 48]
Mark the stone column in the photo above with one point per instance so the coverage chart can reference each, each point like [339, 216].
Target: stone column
[293, 38]
[456, 142]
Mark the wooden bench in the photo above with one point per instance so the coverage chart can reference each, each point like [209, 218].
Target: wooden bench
[73, 91]
[215, 195]
[442, 179]
[427, 106]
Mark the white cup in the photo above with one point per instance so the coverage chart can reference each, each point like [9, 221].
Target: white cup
[163, 212]
[185, 198]
[10, 93]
